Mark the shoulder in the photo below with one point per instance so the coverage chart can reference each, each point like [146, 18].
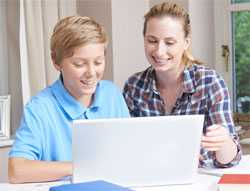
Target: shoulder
[204, 75]
[209, 83]
[44, 99]
[138, 81]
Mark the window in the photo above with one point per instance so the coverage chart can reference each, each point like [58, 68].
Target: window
[10, 77]
[240, 26]
[240, 1]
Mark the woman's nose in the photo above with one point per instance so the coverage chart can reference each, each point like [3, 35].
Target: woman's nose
[161, 49]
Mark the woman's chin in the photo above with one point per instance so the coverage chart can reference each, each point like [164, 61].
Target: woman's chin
[161, 67]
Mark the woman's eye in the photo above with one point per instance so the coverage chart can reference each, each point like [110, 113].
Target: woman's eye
[169, 43]
[97, 63]
[152, 41]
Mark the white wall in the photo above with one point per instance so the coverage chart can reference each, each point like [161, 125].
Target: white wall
[128, 50]
[183, 3]
[202, 26]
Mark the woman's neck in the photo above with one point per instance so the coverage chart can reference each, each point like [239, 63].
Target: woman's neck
[169, 78]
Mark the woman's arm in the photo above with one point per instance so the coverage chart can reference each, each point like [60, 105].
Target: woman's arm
[220, 135]
[22, 170]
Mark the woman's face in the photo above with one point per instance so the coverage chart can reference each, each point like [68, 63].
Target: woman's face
[165, 43]
[82, 71]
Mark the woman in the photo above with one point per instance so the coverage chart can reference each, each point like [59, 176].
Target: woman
[42, 149]
[175, 84]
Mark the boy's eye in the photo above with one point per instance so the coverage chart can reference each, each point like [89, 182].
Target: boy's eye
[78, 64]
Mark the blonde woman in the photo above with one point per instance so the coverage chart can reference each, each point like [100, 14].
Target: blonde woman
[42, 149]
[176, 84]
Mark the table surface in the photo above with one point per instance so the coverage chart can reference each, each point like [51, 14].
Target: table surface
[203, 183]
[206, 181]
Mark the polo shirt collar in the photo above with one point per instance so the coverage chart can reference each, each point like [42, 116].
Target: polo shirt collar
[69, 104]
[97, 100]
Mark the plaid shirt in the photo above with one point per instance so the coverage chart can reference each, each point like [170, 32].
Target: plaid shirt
[204, 92]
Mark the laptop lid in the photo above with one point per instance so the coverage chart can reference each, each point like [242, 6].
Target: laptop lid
[142, 151]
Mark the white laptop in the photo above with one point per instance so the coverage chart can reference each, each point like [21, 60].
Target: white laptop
[142, 151]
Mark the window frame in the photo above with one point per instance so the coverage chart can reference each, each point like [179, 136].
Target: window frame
[232, 8]
[4, 117]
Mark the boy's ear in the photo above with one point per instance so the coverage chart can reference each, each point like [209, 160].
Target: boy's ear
[57, 67]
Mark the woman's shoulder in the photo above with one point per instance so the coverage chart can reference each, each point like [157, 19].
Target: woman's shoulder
[204, 74]
[203, 69]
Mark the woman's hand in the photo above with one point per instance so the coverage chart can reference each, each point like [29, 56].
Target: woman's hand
[216, 138]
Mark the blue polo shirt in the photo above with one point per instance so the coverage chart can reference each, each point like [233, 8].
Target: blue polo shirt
[45, 132]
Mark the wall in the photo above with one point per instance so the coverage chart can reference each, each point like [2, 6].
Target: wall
[128, 50]
[202, 26]
[183, 3]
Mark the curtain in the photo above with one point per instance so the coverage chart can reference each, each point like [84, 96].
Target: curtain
[38, 18]
[3, 50]
[25, 64]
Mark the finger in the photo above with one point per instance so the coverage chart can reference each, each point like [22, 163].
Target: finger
[217, 139]
[217, 132]
[212, 128]
[212, 147]
[209, 145]
[220, 132]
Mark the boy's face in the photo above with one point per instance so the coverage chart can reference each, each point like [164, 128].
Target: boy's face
[82, 71]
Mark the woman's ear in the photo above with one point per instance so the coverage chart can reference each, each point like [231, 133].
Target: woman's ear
[187, 43]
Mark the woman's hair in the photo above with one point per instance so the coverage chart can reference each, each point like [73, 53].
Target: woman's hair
[73, 32]
[175, 11]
